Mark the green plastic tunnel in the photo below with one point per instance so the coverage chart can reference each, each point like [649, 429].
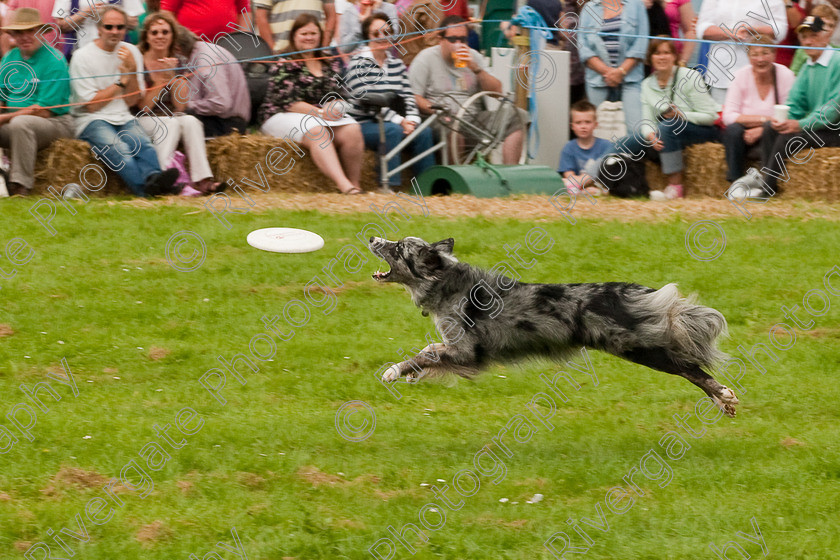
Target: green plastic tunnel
[498, 180]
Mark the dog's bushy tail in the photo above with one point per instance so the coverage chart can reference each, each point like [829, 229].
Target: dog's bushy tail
[688, 329]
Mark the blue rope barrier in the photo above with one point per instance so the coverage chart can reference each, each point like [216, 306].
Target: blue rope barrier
[544, 28]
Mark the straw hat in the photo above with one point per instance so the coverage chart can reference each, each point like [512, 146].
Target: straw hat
[23, 19]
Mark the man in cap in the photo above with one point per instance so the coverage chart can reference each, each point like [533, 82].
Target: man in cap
[106, 82]
[34, 91]
[813, 118]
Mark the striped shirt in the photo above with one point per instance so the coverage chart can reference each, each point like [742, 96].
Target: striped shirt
[364, 75]
[612, 25]
[282, 14]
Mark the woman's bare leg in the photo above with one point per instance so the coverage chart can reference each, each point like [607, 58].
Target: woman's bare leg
[351, 147]
[327, 160]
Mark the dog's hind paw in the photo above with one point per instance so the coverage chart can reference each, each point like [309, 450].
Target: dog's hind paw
[391, 374]
[726, 401]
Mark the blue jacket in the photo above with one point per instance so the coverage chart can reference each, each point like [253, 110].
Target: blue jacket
[634, 21]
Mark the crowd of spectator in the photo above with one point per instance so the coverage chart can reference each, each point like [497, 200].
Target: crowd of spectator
[747, 75]
[146, 106]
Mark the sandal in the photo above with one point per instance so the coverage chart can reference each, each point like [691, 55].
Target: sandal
[354, 191]
[210, 187]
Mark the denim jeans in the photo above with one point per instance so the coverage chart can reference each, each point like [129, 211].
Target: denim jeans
[393, 136]
[126, 149]
[675, 134]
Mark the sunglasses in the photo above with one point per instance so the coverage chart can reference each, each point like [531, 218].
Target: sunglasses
[457, 39]
[156, 32]
[109, 27]
[380, 34]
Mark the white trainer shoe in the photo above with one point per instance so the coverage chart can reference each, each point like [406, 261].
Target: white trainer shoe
[669, 193]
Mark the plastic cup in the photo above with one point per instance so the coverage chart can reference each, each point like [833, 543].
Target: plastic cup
[780, 112]
[458, 61]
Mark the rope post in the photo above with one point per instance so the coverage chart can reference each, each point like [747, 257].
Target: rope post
[522, 44]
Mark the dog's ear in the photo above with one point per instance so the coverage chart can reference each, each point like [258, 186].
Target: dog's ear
[444, 246]
[430, 259]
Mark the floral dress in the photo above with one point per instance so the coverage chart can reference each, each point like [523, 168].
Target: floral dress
[291, 81]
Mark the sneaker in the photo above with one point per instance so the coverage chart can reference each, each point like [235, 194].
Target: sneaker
[671, 192]
[748, 186]
[657, 196]
[737, 192]
[572, 187]
[752, 180]
[161, 183]
[73, 190]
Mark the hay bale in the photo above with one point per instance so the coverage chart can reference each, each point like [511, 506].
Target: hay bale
[705, 170]
[236, 156]
[61, 162]
[656, 179]
[705, 173]
[816, 179]
[231, 157]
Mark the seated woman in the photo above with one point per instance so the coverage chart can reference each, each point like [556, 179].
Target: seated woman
[219, 95]
[350, 25]
[299, 87]
[166, 97]
[374, 70]
[749, 103]
[676, 113]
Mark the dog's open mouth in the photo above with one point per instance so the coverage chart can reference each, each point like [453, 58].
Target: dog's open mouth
[380, 276]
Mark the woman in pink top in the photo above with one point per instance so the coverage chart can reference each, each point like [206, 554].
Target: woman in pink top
[749, 103]
[681, 17]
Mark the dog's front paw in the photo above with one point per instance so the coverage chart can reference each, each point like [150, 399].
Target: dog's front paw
[391, 374]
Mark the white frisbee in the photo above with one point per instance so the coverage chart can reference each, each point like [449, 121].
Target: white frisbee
[285, 240]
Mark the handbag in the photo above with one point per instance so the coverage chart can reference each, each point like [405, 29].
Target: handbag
[179, 162]
[610, 115]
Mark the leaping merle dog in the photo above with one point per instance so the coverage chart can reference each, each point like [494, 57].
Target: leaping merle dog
[483, 317]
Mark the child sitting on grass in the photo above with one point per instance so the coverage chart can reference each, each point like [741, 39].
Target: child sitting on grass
[580, 157]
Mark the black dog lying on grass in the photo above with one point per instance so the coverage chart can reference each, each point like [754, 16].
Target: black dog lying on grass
[484, 318]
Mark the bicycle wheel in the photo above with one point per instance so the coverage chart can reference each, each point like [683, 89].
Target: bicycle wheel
[481, 126]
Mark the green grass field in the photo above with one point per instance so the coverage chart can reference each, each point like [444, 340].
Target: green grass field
[138, 335]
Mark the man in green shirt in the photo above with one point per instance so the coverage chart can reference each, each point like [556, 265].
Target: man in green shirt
[813, 119]
[32, 76]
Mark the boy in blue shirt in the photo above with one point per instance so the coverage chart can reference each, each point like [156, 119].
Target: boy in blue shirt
[580, 157]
